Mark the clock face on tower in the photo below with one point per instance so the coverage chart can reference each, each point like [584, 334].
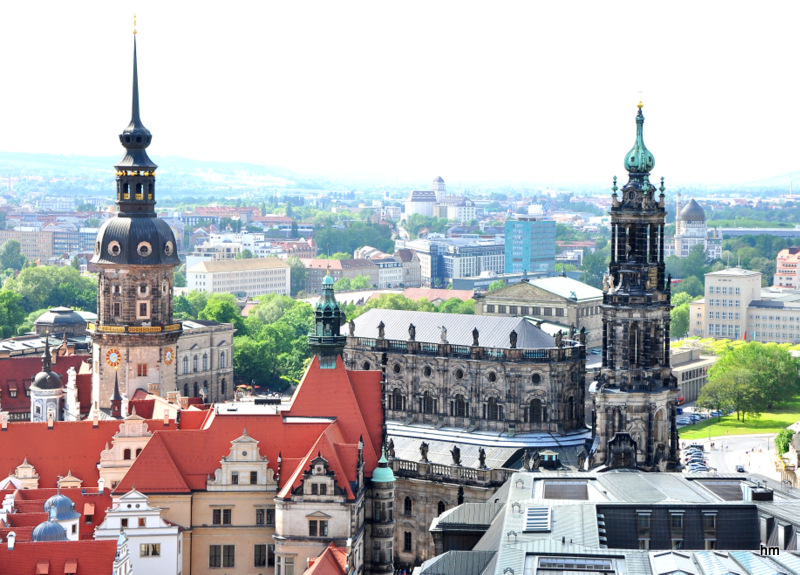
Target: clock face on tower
[113, 357]
[169, 356]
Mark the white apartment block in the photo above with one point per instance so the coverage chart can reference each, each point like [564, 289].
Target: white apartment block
[242, 278]
[736, 307]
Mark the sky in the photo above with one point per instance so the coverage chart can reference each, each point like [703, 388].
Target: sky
[511, 91]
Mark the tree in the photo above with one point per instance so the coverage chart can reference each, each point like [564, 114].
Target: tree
[245, 254]
[496, 284]
[222, 307]
[714, 396]
[11, 313]
[294, 233]
[679, 320]
[190, 305]
[298, 275]
[776, 377]
[360, 282]
[595, 265]
[456, 305]
[11, 256]
[179, 276]
[691, 285]
[782, 441]
[76, 263]
[342, 285]
[49, 286]
[680, 298]
[85, 207]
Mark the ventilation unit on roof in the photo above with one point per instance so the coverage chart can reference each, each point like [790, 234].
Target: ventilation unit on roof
[537, 519]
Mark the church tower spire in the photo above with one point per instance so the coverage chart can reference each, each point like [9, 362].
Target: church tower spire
[136, 255]
[635, 391]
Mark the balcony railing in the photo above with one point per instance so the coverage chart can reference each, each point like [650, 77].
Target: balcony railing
[134, 328]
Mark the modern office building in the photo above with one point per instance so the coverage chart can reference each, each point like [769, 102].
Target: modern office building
[530, 245]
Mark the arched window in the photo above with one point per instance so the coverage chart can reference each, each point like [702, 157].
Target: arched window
[407, 510]
[365, 366]
[138, 451]
[185, 365]
[194, 364]
[570, 408]
[397, 400]
[428, 403]
[195, 394]
[222, 387]
[461, 406]
[494, 411]
[126, 454]
[441, 507]
[205, 362]
[222, 360]
[536, 411]
[185, 390]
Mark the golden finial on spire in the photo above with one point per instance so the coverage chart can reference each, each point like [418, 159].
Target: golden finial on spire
[134, 23]
[639, 105]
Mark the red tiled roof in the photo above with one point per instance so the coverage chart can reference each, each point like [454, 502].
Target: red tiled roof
[16, 373]
[433, 295]
[337, 386]
[69, 446]
[30, 503]
[332, 561]
[90, 556]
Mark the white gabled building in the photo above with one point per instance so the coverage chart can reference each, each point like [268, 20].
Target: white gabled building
[155, 546]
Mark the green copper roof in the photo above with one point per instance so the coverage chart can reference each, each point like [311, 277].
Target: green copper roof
[383, 473]
[639, 160]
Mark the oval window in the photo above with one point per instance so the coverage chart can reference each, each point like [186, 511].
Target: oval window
[396, 368]
[427, 371]
[114, 249]
[169, 248]
[459, 374]
[144, 249]
[536, 378]
[492, 376]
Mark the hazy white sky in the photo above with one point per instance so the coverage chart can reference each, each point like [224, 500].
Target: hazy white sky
[502, 91]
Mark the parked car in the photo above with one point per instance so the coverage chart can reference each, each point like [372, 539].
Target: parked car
[717, 413]
[684, 421]
[740, 468]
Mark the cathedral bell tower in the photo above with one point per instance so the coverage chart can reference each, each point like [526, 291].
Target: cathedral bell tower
[135, 336]
[635, 392]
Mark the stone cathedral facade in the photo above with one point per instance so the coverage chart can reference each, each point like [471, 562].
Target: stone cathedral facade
[635, 392]
[135, 337]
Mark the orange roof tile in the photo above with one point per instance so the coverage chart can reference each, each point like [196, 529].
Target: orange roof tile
[90, 556]
[332, 561]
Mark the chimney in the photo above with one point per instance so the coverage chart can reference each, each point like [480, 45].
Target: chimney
[101, 485]
[172, 397]
[11, 538]
[154, 389]
[166, 417]
[49, 421]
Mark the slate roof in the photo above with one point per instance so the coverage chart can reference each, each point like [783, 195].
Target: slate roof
[461, 562]
[494, 330]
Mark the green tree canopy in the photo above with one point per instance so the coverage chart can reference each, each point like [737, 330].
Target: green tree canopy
[11, 313]
[245, 254]
[496, 284]
[190, 305]
[222, 307]
[50, 286]
[782, 440]
[679, 320]
[298, 275]
[11, 256]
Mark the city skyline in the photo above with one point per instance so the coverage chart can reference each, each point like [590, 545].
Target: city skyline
[519, 93]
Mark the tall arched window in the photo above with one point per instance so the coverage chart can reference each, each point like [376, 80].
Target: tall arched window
[536, 411]
[205, 362]
[570, 408]
[461, 406]
[195, 389]
[185, 390]
[222, 387]
[407, 509]
[494, 411]
[126, 454]
[428, 403]
[441, 507]
[185, 365]
[397, 400]
[194, 363]
[222, 360]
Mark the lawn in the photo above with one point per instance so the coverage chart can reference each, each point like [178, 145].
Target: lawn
[767, 422]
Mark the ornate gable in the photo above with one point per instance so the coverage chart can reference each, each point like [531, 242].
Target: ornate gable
[243, 469]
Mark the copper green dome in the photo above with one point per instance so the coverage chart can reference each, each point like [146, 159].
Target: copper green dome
[639, 160]
[383, 473]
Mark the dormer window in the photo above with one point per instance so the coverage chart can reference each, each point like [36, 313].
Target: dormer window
[143, 289]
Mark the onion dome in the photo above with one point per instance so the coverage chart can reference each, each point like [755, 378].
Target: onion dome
[61, 508]
[47, 378]
[639, 160]
[692, 212]
[49, 531]
[383, 473]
